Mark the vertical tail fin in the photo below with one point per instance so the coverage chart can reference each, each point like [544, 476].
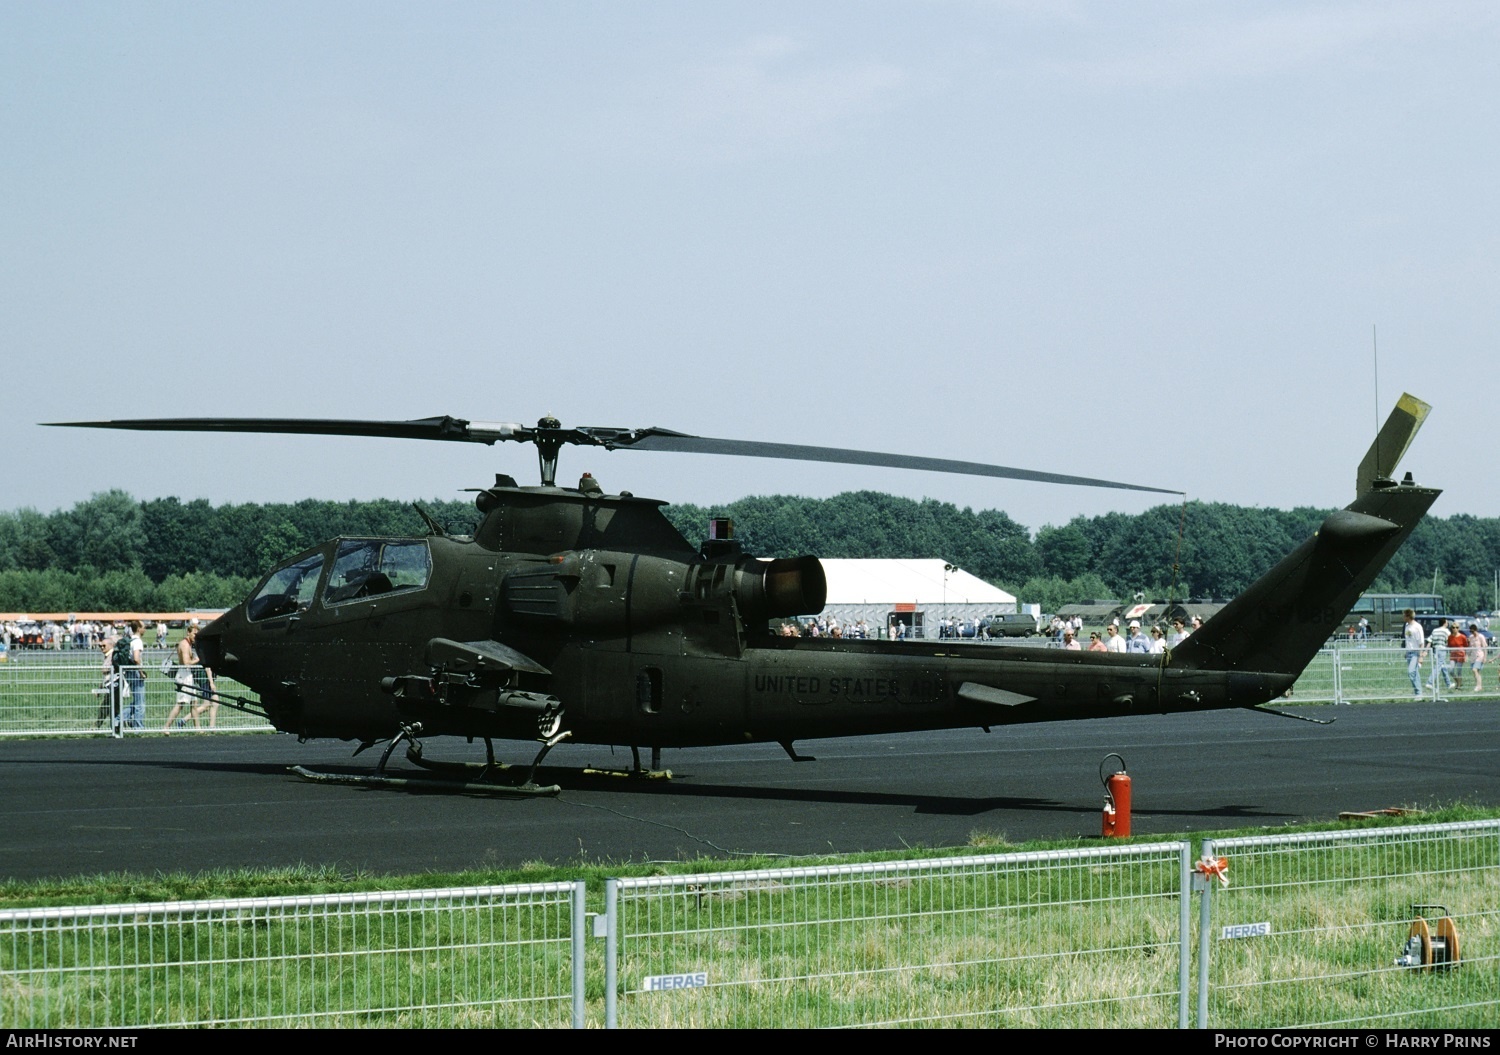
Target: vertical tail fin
[1280, 622]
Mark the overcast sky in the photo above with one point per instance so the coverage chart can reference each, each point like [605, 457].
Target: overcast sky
[1141, 241]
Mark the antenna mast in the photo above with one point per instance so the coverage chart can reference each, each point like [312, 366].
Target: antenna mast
[1375, 350]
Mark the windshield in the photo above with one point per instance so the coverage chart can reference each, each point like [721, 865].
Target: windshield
[289, 589]
[369, 567]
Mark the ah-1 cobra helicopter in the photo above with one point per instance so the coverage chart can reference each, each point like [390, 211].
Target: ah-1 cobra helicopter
[576, 614]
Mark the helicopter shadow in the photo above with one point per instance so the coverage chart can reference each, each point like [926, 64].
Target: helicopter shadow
[917, 802]
[682, 786]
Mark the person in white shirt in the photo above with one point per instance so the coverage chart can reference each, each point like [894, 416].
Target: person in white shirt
[1179, 633]
[1415, 639]
[1437, 641]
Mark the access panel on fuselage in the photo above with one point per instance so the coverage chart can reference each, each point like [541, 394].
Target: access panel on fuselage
[651, 700]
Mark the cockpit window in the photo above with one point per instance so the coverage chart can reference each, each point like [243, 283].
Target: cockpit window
[369, 567]
[288, 590]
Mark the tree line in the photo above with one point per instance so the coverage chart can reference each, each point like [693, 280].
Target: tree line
[1205, 550]
[112, 552]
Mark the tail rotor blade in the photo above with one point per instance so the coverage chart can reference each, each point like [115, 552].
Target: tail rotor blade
[1391, 442]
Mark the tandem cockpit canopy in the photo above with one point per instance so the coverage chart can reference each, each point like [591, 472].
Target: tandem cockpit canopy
[357, 568]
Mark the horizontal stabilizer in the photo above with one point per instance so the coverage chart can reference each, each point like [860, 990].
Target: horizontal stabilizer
[1345, 525]
[974, 692]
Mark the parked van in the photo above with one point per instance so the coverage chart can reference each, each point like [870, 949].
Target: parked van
[1014, 624]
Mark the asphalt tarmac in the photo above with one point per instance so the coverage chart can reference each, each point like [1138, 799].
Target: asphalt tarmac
[197, 802]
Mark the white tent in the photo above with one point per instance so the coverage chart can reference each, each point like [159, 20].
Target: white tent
[917, 592]
[921, 581]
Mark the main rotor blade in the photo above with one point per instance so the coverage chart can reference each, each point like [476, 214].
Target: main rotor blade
[663, 440]
[652, 439]
[439, 428]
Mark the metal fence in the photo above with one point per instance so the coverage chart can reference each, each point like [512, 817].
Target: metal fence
[1353, 673]
[1306, 934]
[1357, 671]
[50, 697]
[485, 956]
[1094, 937]
[1309, 929]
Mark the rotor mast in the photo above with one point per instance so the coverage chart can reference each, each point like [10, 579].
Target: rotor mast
[547, 447]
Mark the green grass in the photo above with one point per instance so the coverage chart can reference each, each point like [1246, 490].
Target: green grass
[394, 964]
[1093, 946]
[1339, 913]
[939, 947]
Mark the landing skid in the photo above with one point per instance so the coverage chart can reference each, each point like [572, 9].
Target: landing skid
[628, 774]
[458, 777]
[636, 772]
[1289, 714]
[454, 787]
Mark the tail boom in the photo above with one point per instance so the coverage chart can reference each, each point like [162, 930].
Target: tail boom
[1278, 625]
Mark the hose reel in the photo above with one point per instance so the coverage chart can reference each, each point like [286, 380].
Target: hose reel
[1429, 947]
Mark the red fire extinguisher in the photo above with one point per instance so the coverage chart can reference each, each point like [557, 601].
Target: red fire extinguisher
[1116, 799]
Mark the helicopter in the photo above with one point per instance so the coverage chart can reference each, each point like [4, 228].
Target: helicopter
[574, 614]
